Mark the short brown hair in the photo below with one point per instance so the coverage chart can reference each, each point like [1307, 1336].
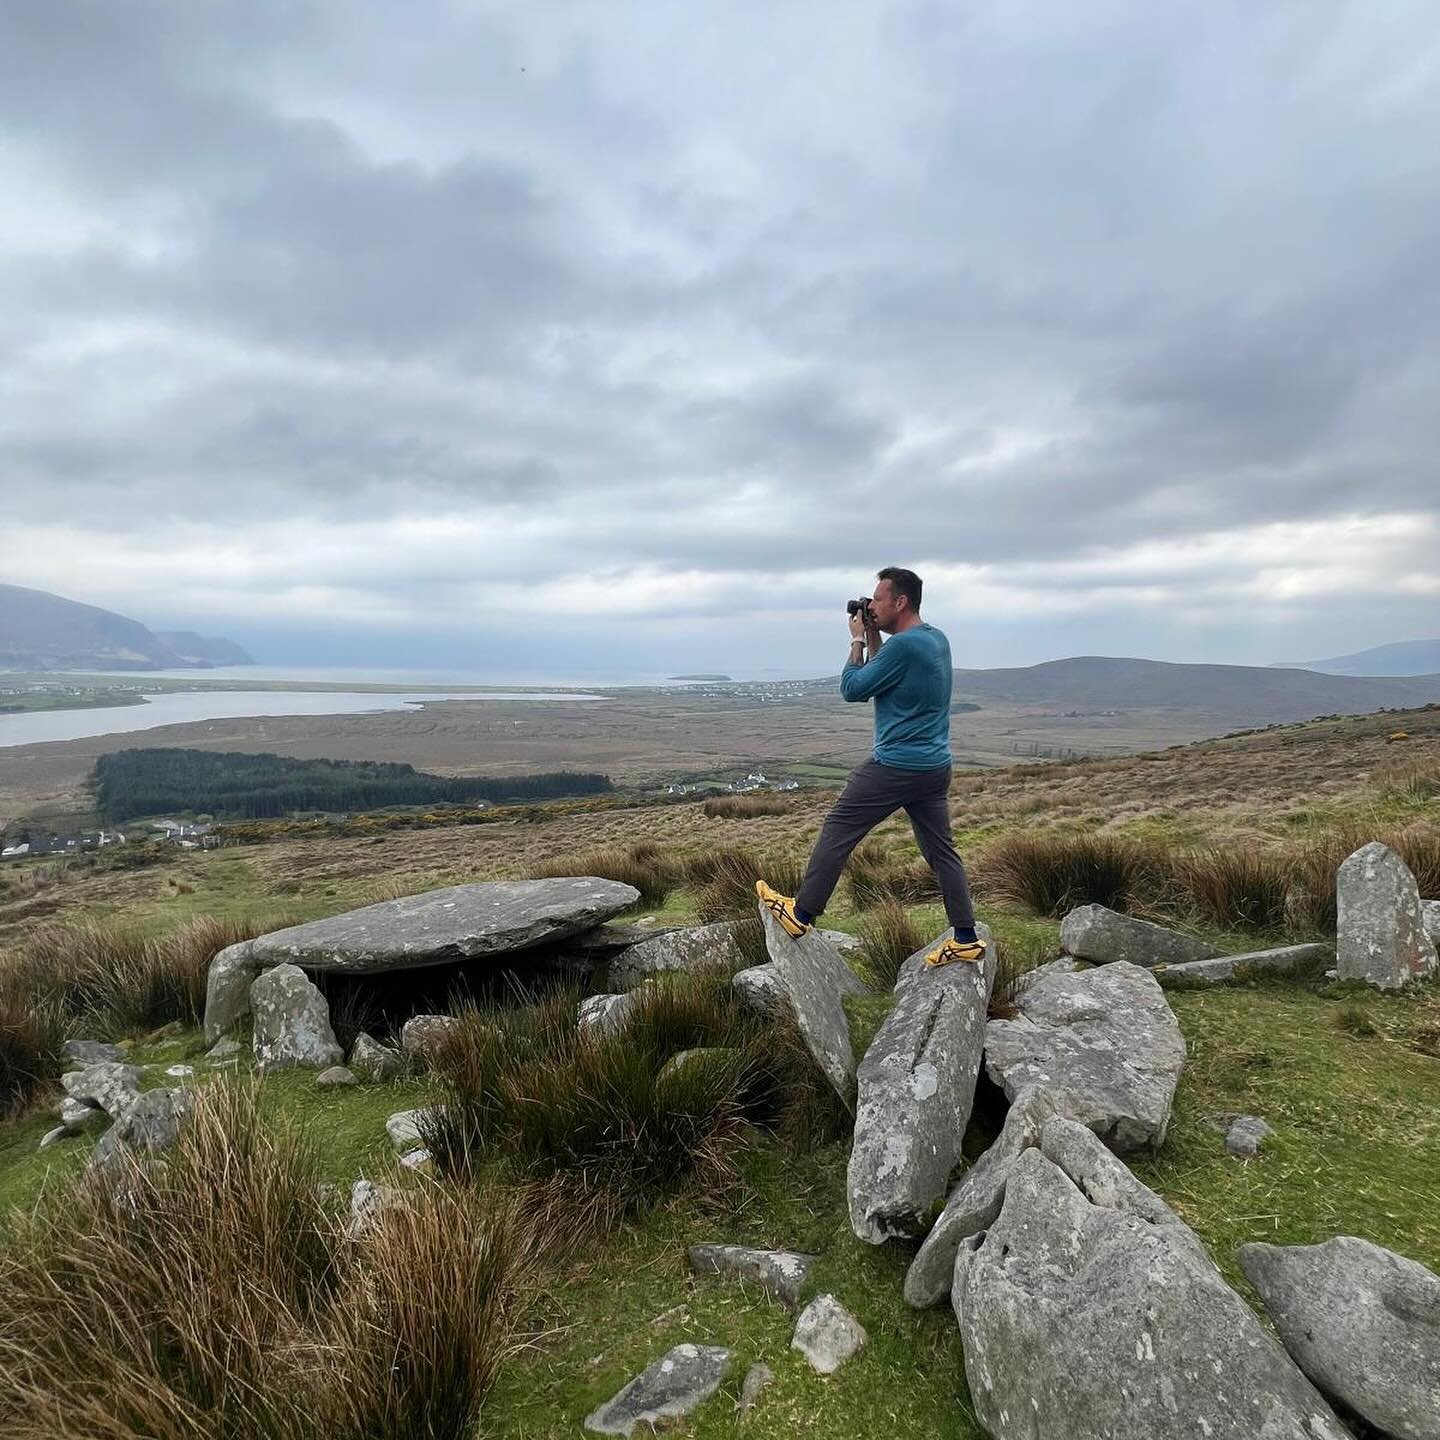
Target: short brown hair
[903, 582]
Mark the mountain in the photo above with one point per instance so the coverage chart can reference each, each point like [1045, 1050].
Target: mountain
[203, 649]
[41, 631]
[1404, 657]
[1235, 694]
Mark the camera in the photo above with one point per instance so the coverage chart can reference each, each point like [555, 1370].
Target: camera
[860, 607]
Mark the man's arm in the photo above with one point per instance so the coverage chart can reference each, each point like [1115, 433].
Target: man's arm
[862, 681]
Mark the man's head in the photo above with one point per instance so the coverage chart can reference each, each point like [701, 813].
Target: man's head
[896, 602]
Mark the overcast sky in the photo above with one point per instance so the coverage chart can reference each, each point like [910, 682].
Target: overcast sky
[628, 338]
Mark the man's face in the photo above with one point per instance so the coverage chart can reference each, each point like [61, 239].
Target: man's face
[886, 606]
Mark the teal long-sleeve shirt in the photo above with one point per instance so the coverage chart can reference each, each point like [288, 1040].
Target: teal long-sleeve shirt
[909, 678]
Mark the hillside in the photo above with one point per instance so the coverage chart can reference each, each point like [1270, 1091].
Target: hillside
[1237, 694]
[41, 631]
[1404, 657]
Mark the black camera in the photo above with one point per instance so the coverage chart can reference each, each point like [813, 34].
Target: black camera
[860, 606]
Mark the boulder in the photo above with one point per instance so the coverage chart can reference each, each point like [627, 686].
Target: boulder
[421, 1034]
[674, 1386]
[152, 1123]
[760, 988]
[1362, 1322]
[1102, 936]
[722, 1064]
[827, 1334]
[1081, 1318]
[337, 1076]
[815, 978]
[78, 1053]
[1223, 969]
[371, 1060]
[110, 1085]
[1380, 931]
[1106, 1039]
[703, 947]
[916, 1085]
[292, 1022]
[606, 1014]
[1246, 1135]
[781, 1274]
[438, 927]
[76, 1116]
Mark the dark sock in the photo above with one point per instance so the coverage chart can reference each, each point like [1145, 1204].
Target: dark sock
[966, 937]
[804, 916]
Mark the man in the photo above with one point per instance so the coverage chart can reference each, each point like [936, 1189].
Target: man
[909, 678]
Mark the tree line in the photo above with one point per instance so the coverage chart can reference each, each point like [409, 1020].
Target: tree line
[133, 783]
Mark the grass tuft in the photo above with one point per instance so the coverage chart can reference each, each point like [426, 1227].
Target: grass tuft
[875, 877]
[1236, 888]
[725, 878]
[645, 866]
[1052, 874]
[889, 937]
[744, 807]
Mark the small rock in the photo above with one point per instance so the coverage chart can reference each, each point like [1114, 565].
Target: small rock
[292, 1022]
[90, 1052]
[373, 1061]
[606, 1014]
[52, 1137]
[179, 1072]
[77, 1116]
[224, 1050]
[1245, 1136]
[781, 1274]
[369, 1199]
[111, 1086]
[422, 1033]
[827, 1334]
[674, 1386]
[760, 988]
[757, 1381]
[336, 1075]
[722, 1063]
[403, 1127]
[1102, 936]
[416, 1159]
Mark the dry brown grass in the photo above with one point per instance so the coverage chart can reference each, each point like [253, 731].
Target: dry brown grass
[1052, 874]
[744, 807]
[645, 865]
[889, 937]
[876, 876]
[724, 879]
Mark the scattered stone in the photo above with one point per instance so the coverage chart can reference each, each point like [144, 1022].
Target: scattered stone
[336, 1075]
[416, 1159]
[224, 1050]
[607, 1014]
[420, 1034]
[674, 1386]
[292, 1022]
[404, 1127]
[827, 1334]
[1245, 1136]
[371, 1060]
[1362, 1322]
[1081, 1318]
[1380, 931]
[53, 1137]
[703, 947]
[111, 1086]
[76, 1116]
[438, 927]
[1106, 1039]
[781, 1274]
[179, 1072]
[1287, 960]
[849, 948]
[760, 988]
[152, 1123]
[722, 1062]
[90, 1052]
[815, 978]
[168, 1031]
[916, 1085]
[369, 1200]
[757, 1380]
[1103, 937]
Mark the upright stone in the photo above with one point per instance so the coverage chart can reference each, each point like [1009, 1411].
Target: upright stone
[227, 989]
[1362, 1322]
[701, 947]
[292, 1022]
[1103, 937]
[1380, 929]
[916, 1085]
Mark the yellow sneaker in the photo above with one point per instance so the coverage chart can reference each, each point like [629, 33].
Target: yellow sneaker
[947, 952]
[782, 907]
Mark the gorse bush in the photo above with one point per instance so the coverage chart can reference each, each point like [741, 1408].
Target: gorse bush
[645, 866]
[744, 807]
[1052, 874]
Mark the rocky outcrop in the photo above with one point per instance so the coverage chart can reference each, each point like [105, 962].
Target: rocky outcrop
[703, 947]
[1104, 937]
[827, 1334]
[674, 1386]
[1106, 1039]
[781, 1274]
[1099, 1315]
[1227, 969]
[1380, 930]
[1362, 1322]
[292, 1022]
[916, 1085]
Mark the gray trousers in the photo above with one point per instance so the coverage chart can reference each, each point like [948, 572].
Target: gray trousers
[873, 793]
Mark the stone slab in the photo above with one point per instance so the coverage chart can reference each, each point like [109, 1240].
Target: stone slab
[1225, 969]
[1103, 936]
[673, 1387]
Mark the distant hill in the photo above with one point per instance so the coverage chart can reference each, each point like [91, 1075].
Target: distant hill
[1404, 657]
[41, 631]
[1233, 694]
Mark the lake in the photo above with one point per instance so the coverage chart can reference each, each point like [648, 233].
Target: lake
[188, 707]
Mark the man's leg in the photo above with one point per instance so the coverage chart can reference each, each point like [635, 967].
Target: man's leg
[929, 814]
[869, 797]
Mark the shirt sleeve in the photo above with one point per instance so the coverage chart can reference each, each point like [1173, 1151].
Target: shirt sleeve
[860, 682]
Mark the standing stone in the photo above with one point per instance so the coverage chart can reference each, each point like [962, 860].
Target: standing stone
[111, 1086]
[1380, 931]
[1287, 960]
[827, 1334]
[227, 989]
[781, 1274]
[674, 1386]
[916, 1085]
[1086, 1319]
[1102, 936]
[815, 978]
[292, 1022]
[373, 1061]
[1362, 1322]
[701, 947]
[1105, 1038]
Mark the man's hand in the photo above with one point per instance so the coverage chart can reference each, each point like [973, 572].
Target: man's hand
[857, 626]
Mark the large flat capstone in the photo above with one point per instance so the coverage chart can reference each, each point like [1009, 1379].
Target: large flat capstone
[1104, 936]
[1106, 1039]
[438, 927]
[916, 1086]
